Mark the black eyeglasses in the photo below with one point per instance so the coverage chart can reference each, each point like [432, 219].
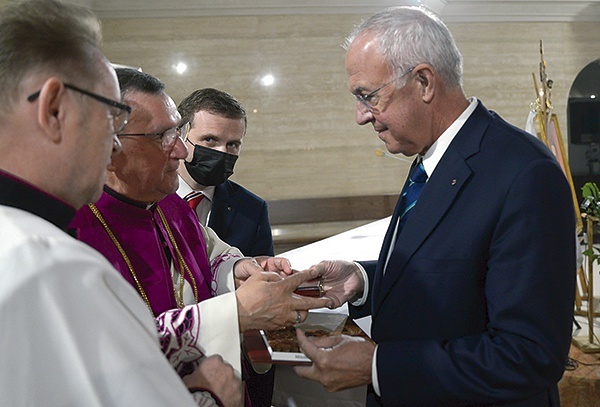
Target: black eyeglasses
[371, 99]
[119, 118]
[167, 137]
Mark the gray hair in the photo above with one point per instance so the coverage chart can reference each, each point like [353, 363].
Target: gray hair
[45, 36]
[409, 36]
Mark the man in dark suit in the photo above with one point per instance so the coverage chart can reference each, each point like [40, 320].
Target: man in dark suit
[472, 296]
[238, 216]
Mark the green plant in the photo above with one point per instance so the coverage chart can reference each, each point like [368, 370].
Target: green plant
[591, 207]
[591, 199]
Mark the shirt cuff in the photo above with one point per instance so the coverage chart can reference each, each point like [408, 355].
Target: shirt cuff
[219, 331]
[363, 298]
[374, 376]
[225, 279]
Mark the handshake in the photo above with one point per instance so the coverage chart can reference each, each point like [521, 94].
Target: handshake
[272, 295]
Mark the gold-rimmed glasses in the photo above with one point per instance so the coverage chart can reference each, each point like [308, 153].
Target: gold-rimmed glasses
[167, 137]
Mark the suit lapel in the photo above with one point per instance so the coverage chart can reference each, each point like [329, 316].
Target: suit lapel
[223, 207]
[387, 240]
[442, 189]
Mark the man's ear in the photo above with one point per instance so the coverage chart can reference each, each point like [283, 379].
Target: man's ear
[51, 108]
[427, 78]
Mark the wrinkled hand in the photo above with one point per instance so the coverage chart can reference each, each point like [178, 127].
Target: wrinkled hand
[218, 377]
[244, 268]
[339, 362]
[342, 280]
[266, 300]
[280, 265]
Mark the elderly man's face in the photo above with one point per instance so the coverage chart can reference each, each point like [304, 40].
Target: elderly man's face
[397, 116]
[144, 171]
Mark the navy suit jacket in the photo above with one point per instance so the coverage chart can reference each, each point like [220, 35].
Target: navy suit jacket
[476, 304]
[241, 219]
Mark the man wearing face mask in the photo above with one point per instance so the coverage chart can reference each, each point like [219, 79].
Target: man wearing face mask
[239, 217]
[203, 292]
[218, 125]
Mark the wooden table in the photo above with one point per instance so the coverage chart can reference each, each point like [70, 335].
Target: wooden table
[581, 387]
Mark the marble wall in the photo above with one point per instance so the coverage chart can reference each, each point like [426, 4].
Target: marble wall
[302, 140]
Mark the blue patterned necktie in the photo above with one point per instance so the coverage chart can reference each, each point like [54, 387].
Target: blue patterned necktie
[416, 181]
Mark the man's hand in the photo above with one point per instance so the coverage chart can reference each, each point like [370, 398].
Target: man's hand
[339, 362]
[266, 300]
[244, 268]
[219, 378]
[280, 265]
[342, 280]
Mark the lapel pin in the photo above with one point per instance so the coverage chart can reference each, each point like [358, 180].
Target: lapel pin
[453, 182]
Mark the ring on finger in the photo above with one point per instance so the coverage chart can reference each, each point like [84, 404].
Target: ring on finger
[298, 317]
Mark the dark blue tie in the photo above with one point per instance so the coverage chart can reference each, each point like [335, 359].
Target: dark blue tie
[416, 181]
[412, 189]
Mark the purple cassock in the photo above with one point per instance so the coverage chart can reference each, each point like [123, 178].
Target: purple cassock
[147, 244]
